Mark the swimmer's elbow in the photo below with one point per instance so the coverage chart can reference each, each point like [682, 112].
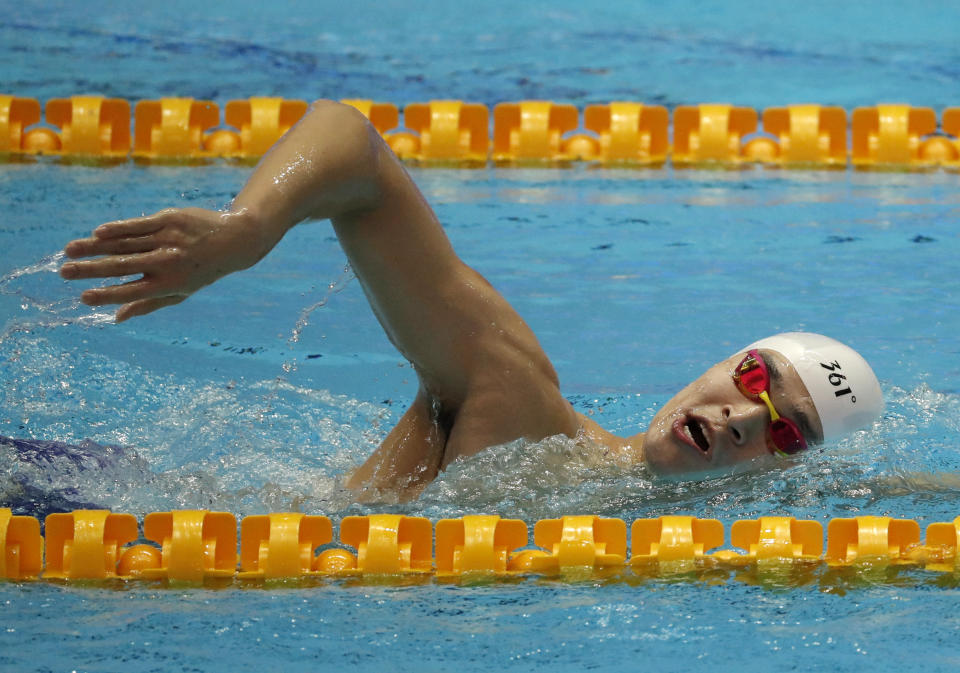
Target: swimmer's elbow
[352, 145]
[345, 126]
[340, 116]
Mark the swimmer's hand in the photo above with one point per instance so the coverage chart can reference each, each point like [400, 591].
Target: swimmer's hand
[176, 251]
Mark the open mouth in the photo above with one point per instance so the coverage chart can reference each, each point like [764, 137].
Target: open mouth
[691, 431]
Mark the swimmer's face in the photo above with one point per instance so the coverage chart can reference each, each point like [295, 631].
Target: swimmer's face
[710, 427]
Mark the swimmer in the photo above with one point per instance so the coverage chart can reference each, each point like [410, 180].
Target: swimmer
[484, 379]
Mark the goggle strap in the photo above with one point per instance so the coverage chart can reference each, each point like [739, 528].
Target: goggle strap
[763, 395]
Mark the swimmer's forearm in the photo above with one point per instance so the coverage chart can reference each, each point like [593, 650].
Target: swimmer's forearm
[324, 167]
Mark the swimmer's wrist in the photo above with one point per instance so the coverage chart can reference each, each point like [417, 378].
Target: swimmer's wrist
[256, 234]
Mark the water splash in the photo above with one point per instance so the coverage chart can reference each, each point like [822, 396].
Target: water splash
[333, 287]
[30, 285]
[48, 263]
[289, 366]
[164, 441]
[534, 480]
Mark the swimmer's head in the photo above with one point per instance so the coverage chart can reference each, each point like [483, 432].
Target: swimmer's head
[823, 387]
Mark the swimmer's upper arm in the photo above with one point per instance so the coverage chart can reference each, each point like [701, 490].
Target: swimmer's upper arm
[333, 164]
[441, 314]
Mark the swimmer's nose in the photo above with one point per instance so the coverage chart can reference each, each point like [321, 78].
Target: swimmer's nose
[743, 421]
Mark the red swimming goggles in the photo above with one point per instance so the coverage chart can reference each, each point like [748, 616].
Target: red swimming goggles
[753, 380]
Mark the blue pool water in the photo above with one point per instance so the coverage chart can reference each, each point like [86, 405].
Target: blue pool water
[243, 399]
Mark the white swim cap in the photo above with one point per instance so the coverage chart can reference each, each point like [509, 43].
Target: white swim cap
[844, 389]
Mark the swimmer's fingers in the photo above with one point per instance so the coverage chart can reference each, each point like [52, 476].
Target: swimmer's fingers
[136, 226]
[123, 236]
[117, 265]
[125, 293]
[93, 246]
[145, 306]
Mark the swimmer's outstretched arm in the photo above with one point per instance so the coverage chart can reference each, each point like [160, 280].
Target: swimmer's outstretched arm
[441, 314]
